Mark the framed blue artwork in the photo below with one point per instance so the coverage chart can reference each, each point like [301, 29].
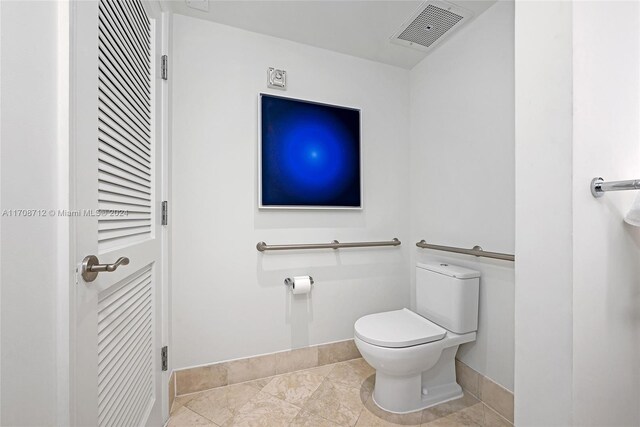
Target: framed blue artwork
[309, 155]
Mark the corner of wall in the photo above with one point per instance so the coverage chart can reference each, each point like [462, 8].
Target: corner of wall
[544, 168]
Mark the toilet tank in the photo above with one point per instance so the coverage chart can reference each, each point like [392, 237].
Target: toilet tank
[447, 295]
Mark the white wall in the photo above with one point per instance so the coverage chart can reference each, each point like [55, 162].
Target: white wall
[462, 172]
[229, 300]
[606, 251]
[543, 357]
[28, 269]
[578, 296]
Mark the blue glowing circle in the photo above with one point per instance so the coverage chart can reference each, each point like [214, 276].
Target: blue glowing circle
[310, 154]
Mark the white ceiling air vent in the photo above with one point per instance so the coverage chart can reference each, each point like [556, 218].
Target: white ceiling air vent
[431, 23]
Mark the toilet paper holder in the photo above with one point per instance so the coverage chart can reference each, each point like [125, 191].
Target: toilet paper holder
[289, 281]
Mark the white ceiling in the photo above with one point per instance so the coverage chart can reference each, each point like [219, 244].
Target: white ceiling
[358, 28]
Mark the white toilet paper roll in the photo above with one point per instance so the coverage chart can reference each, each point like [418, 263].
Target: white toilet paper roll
[301, 285]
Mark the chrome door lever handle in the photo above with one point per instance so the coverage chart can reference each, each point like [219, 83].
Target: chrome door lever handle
[91, 267]
[99, 268]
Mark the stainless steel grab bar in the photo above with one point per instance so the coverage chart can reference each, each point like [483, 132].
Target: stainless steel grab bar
[599, 186]
[262, 246]
[475, 251]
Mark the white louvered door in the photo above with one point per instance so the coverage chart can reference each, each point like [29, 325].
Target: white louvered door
[117, 101]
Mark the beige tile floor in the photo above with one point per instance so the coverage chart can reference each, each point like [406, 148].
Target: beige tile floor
[331, 395]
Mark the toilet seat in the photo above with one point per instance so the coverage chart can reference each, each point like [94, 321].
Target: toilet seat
[398, 328]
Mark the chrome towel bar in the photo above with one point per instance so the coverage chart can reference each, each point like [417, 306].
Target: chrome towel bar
[599, 186]
[476, 251]
[262, 246]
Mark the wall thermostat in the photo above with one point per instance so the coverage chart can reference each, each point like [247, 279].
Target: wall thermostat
[277, 79]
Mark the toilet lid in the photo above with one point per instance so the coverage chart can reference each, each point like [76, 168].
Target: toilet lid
[398, 328]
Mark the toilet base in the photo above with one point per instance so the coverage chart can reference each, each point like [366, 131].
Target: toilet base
[404, 394]
[398, 405]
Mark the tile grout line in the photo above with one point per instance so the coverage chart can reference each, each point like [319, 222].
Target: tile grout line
[364, 408]
[488, 406]
[300, 407]
[205, 391]
[499, 415]
[229, 385]
[480, 378]
[203, 416]
[320, 415]
[353, 388]
[495, 411]
[327, 379]
[484, 414]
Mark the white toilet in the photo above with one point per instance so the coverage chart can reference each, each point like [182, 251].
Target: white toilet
[414, 353]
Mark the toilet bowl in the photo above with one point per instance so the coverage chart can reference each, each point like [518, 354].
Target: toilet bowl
[413, 356]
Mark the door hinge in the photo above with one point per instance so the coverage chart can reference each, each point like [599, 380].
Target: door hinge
[164, 354]
[165, 213]
[165, 67]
